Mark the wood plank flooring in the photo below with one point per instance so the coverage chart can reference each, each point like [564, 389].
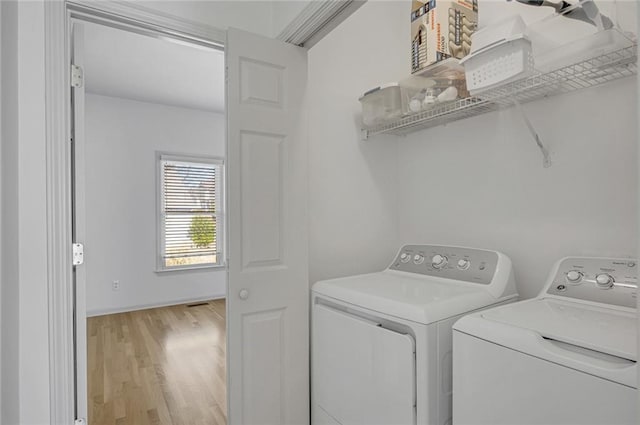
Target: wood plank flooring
[159, 366]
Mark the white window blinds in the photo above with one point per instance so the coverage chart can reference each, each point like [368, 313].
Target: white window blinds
[189, 213]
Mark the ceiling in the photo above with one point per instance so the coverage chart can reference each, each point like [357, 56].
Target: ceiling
[122, 64]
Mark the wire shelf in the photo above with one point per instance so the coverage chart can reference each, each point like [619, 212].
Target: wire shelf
[587, 73]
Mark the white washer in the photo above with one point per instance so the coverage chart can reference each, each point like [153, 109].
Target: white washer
[381, 342]
[565, 357]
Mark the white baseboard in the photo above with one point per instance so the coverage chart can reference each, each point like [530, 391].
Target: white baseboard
[103, 312]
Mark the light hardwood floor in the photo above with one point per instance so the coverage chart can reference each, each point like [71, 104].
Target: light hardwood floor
[158, 366]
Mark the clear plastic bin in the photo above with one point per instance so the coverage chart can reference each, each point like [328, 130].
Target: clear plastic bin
[381, 104]
[429, 93]
[392, 101]
[411, 88]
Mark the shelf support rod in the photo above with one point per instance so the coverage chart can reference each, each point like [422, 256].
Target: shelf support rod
[546, 157]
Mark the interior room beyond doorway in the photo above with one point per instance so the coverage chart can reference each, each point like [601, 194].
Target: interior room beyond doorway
[151, 216]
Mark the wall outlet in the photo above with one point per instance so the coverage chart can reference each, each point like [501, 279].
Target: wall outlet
[115, 285]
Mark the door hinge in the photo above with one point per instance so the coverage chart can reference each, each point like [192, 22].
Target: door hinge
[77, 76]
[78, 254]
[80, 421]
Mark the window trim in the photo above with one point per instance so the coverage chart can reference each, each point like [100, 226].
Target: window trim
[220, 216]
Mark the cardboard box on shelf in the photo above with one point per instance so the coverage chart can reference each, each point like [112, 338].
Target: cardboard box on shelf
[441, 29]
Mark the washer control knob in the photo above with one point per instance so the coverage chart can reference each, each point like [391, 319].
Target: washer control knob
[604, 281]
[574, 276]
[418, 259]
[404, 257]
[439, 261]
[463, 264]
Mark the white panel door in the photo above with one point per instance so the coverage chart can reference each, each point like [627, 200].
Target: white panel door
[268, 329]
[79, 217]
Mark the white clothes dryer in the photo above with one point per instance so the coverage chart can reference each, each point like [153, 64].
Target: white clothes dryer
[381, 342]
[565, 357]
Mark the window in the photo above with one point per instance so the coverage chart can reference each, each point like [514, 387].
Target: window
[190, 223]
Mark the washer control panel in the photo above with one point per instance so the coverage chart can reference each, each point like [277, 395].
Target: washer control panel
[466, 264]
[602, 280]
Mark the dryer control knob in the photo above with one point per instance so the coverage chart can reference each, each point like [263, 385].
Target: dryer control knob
[604, 281]
[418, 259]
[574, 276]
[439, 261]
[404, 257]
[463, 264]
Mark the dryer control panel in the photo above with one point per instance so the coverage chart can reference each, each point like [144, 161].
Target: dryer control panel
[603, 280]
[465, 264]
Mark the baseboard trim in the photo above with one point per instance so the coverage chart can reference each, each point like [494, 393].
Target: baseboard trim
[104, 312]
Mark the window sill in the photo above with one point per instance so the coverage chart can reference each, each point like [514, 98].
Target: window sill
[207, 267]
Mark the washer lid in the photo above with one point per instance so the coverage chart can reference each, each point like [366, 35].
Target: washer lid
[419, 299]
[600, 329]
[595, 340]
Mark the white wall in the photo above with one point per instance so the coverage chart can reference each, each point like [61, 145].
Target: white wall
[9, 387]
[352, 184]
[477, 182]
[267, 18]
[122, 138]
[32, 224]
[481, 183]
[253, 16]
[25, 348]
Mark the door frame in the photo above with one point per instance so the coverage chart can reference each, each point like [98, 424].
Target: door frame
[58, 15]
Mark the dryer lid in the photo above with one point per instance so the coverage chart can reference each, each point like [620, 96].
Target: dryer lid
[419, 299]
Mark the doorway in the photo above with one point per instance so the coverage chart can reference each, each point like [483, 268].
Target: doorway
[149, 188]
[265, 173]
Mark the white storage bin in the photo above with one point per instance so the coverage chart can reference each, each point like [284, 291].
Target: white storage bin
[381, 104]
[500, 54]
[502, 63]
